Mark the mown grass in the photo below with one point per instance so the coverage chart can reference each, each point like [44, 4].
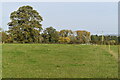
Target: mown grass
[0, 61]
[57, 61]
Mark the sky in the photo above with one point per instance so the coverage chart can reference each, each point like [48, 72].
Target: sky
[94, 17]
[59, 0]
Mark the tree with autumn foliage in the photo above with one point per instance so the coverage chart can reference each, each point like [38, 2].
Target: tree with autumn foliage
[64, 40]
[65, 33]
[83, 36]
[65, 36]
[25, 25]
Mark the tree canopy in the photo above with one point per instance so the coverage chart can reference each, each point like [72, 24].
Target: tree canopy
[25, 25]
[50, 35]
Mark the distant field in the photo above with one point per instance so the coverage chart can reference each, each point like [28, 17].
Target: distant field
[59, 61]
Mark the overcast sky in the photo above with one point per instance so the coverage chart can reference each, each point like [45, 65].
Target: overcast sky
[91, 16]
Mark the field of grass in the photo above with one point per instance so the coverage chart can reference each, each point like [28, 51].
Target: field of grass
[0, 61]
[114, 48]
[58, 61]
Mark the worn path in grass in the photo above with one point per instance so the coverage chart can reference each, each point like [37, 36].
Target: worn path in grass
[112, 49]
[57, 61]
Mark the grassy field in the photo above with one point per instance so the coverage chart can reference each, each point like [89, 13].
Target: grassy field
[0, 61]
[59, 61]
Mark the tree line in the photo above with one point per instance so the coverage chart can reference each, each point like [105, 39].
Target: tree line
[26, 27]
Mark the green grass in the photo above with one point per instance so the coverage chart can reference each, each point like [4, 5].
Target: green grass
[58, 61]
[114, 48]
[0, 61]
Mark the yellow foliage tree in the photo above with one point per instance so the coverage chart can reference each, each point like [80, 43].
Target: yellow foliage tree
[83, 36]
[64, 40]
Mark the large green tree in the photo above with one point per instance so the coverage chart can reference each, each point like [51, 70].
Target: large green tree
[25, 25]
[50, 35]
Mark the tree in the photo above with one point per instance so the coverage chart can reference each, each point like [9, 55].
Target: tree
[0, 29]
[94, 39]
[65, 33]
[66, 36]
[64, 39]
[73, 39]
[0, 35]
[4, 37]
[119, 39]
[50, 35]
[83, 36]
[25, 25]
